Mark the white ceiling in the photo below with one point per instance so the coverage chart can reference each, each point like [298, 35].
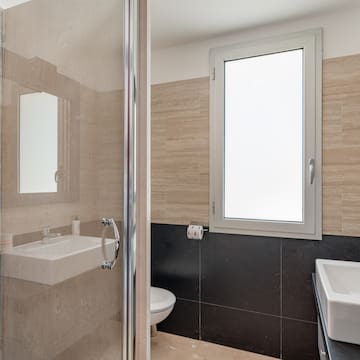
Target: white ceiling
[177, 22]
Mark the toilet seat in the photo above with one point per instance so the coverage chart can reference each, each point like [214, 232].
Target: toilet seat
[161, 300]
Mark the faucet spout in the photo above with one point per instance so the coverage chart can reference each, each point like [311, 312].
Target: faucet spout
[48, 235]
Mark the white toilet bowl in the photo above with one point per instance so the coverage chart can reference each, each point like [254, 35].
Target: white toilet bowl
[161, 304]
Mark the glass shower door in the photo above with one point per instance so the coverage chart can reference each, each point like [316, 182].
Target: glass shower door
[65, 180]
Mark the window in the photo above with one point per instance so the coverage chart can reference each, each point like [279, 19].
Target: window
[38, 143]
[266, 137]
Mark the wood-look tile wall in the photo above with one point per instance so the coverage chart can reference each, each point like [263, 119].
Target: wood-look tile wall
[180, 152]
[109, 153]
[180, 155]
[341, 146]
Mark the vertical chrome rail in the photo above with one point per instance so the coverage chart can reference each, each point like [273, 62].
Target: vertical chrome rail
[129, 189]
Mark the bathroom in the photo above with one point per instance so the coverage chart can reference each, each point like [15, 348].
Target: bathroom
[142, 216]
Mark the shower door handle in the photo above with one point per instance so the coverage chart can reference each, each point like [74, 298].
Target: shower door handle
[109, 264]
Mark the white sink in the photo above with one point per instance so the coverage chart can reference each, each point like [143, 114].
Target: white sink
[55, 261]
[338, 287]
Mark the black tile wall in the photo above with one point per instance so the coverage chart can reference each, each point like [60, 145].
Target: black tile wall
[175, 261]
[184, 320]
[241, 329]
[231, 275]
[248, 292]
[298, 265]
[299, 340]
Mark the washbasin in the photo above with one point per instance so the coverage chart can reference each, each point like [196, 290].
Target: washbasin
[56, 260]
[338, 287]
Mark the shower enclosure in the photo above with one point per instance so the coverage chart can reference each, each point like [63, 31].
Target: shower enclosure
[69, 179]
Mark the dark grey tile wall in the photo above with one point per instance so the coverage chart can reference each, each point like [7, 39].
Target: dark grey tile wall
[175, 261]
[184, 319]
[242, 329]
[298, 264]
[299, 340]
[231, 275]
[248, 292]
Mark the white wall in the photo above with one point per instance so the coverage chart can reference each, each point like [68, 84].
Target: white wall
[341, 38]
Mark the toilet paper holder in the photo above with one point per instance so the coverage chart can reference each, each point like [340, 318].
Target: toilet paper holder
[196, 232]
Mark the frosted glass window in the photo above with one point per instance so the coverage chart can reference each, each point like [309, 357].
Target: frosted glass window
[263, 177]
[38, 143]
[265, 137]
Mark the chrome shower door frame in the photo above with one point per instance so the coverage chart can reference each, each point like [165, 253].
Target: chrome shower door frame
[130, 180]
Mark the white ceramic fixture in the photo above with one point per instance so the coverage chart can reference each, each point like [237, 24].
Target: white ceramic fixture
[338, 287]
[56, 260]
[161, 304]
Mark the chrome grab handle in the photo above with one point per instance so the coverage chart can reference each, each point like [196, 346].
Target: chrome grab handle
[109, 264]
[311, 171]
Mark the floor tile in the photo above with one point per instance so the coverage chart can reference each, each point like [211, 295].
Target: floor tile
[172, 347]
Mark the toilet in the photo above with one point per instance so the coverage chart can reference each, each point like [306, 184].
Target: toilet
[161, 304]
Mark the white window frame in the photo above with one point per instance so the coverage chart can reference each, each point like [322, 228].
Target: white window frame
[311, 227]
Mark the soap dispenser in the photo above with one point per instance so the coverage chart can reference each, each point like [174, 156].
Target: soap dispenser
[76, 226]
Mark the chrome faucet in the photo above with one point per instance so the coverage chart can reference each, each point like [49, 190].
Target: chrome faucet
[48, 235]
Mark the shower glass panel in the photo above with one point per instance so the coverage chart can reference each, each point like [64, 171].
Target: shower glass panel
[62, 148]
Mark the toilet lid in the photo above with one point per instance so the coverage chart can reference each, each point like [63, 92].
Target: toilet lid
[161, 299]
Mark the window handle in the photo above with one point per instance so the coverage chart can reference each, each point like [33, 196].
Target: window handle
[311, 171]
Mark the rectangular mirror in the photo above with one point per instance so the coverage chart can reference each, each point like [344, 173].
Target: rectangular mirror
[38, 143]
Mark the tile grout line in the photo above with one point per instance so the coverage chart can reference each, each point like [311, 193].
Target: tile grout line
[189, 300]
[300, 320]
[200, 270]
[281, 298]
[255, 312]
[247, 310]
[240, 309]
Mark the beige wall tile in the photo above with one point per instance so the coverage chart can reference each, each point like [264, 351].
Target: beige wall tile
[43, 321]
[180, 161]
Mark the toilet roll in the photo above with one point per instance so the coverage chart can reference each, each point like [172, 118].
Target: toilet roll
[195, 232]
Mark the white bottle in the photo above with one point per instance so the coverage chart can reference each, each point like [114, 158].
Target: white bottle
[76, 226]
